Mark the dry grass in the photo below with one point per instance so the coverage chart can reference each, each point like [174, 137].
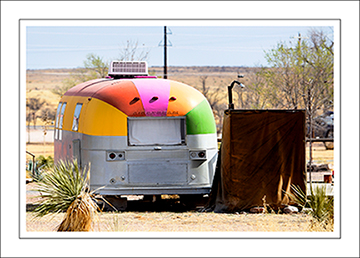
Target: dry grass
[51, 98]
[40, 149]
[80, 215]
[320, 154]
[184, 222]
[191, 221]
[46, 79]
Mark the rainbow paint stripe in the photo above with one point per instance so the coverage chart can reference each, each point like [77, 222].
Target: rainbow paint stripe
[108, 103]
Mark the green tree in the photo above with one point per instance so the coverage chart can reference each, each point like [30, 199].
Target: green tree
[94, 67]
[97, 67]
[303, 69]
[302, 76]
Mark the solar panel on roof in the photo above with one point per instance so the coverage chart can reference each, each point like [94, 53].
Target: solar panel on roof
[128, 68]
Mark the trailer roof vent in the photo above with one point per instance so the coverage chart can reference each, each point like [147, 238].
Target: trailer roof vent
[128, 69]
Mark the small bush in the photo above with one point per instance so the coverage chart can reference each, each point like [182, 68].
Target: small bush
[45, 162]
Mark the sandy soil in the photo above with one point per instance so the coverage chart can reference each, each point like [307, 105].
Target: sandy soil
[181, 222]
[176, 221]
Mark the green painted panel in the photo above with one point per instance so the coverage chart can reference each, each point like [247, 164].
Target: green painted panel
[200, 120]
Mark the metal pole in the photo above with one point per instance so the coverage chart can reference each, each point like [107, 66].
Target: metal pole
[165, 54]
[231, 104]
[33, 163]
[310, 142]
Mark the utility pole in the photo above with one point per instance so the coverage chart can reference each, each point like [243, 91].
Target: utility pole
[299, 37]
[165, 54]
[165, 49]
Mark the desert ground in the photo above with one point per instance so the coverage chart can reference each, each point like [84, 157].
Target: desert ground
[183, 222]
[177, 219]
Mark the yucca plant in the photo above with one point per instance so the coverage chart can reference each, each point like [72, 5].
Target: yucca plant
[65, 187]
[321, 206]
[298, 196]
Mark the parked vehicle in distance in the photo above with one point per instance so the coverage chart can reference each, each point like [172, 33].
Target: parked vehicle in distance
[323, 127]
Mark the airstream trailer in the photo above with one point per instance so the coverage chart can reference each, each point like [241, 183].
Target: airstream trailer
[140, 134]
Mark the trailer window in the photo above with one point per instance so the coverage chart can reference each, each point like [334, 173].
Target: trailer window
[61, 119]
[56, 133]
[75, 125]
[156, 131]
[57, 115]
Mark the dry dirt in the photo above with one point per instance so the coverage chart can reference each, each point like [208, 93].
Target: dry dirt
[176, 221]
[39, 148]
[182, 222]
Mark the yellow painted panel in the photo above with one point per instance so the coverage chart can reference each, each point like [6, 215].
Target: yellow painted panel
[102, 119]
[96, 117]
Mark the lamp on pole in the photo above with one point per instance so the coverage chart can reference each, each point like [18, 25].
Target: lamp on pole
[230, 87]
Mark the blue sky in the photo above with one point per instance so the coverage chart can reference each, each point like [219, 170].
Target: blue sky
[67, 46]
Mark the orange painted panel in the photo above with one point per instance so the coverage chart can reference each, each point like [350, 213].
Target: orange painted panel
[182, 99]
[87, 89]
[123, 95]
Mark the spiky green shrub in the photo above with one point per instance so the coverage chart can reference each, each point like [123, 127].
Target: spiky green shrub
[320, 206]
[42, 161]
[298, 196]
[65, 187]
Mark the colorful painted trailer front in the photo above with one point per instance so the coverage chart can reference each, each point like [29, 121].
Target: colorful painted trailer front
[140, 135]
